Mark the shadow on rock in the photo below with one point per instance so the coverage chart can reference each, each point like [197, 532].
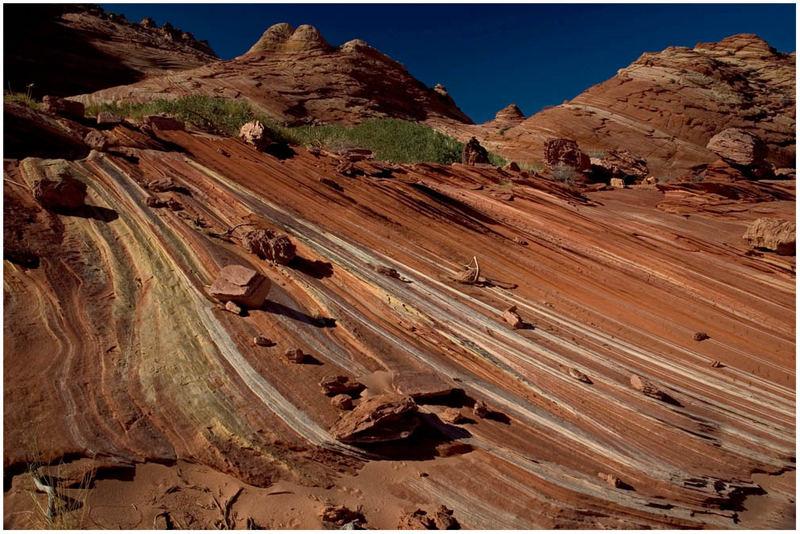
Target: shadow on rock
[316, 269]
[279, 309]
[89, 212]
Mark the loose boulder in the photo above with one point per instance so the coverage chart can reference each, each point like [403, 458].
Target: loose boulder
[335, 384]
[565, 152]
[255, 133]
[452, 416]
[63, 192]
[738, 146]
[342, 401]
[268, 245]
[241, 285]
[377, 419]
[63, 107]
[772, 234]
[106, 118]
[480, 409]
[421, 384]
[474, 153]
[513, 319]
[648, 388]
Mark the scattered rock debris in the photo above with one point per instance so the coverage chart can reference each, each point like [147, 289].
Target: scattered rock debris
[441, 519]
[295, 356]
[335, 384]
[480, 409]
[716, 364]
[340, 517]
[155, 202]
[262, 341]
[700, 336]
[611, 480]
[520, 241]
[233, 307]
[342, 401]
[452, 416]
[513, 319]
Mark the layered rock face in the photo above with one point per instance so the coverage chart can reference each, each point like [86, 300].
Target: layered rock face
[86, 49]
[298, 77]
[666, 106]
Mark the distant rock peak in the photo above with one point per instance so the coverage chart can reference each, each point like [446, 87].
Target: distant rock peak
[282, 37]
[510, 113]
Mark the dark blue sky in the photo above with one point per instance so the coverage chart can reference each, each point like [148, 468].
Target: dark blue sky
[490, 55]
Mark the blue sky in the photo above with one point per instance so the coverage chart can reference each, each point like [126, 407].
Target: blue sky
[488, 56]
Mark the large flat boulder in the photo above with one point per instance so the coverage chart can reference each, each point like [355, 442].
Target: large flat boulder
[421, 384]
[241, 285]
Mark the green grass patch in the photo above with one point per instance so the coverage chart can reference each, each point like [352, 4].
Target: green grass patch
[392, 140]
[21, 98]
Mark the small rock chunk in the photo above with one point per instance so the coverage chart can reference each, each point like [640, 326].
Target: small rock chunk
[512, 318]
[342, 401]
[335, 384]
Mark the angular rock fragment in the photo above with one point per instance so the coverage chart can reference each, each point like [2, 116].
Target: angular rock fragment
[565, 152]
[452, 416]
[268, 245]
[480, 409]
[342, 401]
[611, 480]
[738, 146]
[617, 183]
[341, 516]
[624, 164]
[453, 448]
[335, 384]
[233, 307]
[241, 285]
[474, 153]
[421, 384]
[155, 202]
[513, 319]
[106, 118]
[376, 419]
[63, 107]
[262, 341]
[255, 133]
[716, 364]
[648, 388]
[63, 192]
[772, 234]
[96, 140]
[441, 519]
[294, 356]
[700, 336]
[511, 166]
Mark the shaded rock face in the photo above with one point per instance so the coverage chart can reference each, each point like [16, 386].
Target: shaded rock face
[241, 285]
[772, 234]
[738, 146]
[86, 49]
[64, 192]
[163, 123]
[268, 245]
[62, 106]
[474, 153]
[376, 419]
[565, 152]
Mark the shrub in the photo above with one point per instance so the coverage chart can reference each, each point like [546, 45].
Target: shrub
[22, 98]
[565, 174]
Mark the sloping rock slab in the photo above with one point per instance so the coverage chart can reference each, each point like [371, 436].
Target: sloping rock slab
[421, 384]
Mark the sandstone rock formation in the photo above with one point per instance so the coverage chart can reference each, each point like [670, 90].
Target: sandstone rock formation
[268, 245]
[62, 106]
[381, 418]
[772, 234]
[473, 153]
[419, 519]
[342, 85]
[62, 192]
[85, 49]
[565, 152]
[335, 384]
[666, 106]
[254, 133]
[623, 164]
[241, 285]
[738, 146]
